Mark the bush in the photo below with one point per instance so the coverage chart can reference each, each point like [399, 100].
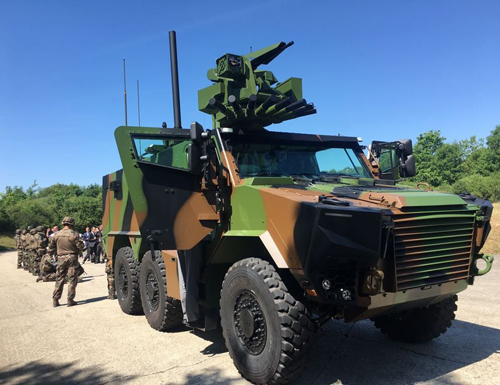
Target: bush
[485, 187]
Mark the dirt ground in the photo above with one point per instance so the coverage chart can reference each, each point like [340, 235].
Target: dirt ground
[95, 343]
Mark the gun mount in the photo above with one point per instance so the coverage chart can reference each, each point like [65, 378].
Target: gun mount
[245, 97]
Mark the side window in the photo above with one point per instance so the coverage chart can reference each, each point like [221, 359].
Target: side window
[388, 159]
[162, 151]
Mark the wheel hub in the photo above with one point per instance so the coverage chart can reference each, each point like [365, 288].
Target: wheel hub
[250, 322]
[152, 290]
[123, 281]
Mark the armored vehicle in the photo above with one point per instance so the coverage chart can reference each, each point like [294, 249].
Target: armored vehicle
[294, 229]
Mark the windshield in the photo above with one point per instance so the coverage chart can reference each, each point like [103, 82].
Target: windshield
[257, 159]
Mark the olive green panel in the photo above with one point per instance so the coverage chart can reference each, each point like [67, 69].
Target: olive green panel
[292, 88]
[174, 156]
[268, 181]
[425, 198]
[248, 212]
[130, 169]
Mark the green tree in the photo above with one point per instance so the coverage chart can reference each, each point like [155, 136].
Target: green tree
[425, 151]
[447, 163]
[493, 150]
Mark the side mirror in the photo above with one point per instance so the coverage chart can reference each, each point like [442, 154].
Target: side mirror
[395, 159]
[405, 146]
[195, 153]
[198, 135]
[194, 159]
[407, 168]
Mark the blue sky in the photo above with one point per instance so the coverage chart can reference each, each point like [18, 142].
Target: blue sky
[378, 69]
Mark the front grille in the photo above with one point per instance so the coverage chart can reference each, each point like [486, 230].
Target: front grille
[432, 245]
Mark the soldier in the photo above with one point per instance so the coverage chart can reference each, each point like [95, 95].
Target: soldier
[19, 249]
[23, 248]
[41, 247]
[48, 268]
[111, 279]
[32, 246]
[67, 245]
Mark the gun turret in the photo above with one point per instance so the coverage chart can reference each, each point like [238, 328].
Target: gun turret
[247, 98]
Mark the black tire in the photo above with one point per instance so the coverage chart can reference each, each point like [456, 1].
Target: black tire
[419, 325]
[127, 281]
[265, 329]
[162, 312]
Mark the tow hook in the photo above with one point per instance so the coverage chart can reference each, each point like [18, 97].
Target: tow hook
[489, 263]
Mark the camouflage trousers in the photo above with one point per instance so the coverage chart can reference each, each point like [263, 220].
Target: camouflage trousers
[67, 265]
[32, 262]
[111, 280]
[51, 277]
[26, 260]
[37, 260]
[19, 258]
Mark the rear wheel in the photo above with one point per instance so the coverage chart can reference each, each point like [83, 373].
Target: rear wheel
[265, 329]
[127, 281]
[162, 312]
[421, 324]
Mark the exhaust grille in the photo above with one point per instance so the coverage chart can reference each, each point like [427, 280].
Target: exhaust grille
[432, 246]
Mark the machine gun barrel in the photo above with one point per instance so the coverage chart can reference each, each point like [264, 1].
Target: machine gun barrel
[272, 99]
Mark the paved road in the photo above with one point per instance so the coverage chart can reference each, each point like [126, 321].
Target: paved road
[95, 343]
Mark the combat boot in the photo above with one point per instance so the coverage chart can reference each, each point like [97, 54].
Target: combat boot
[39, 278]
[71, 303]
[111, 296]
[55, 302]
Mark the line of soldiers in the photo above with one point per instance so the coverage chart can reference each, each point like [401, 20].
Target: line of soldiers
[31, 244]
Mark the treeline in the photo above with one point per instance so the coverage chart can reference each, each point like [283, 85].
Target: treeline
[48, 206]
[470, 165]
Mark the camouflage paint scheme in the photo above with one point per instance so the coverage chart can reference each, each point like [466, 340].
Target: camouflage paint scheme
[421, 245]
[389, 228]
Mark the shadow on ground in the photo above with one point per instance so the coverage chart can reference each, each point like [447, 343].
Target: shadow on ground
[360, 354]
[37, 372]
[217, 345]
[209, 376]
[90, 300]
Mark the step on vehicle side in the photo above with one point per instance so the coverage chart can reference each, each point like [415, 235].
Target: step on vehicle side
[295, 229]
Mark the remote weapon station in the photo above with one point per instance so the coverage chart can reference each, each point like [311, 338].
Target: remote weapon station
[290, 230]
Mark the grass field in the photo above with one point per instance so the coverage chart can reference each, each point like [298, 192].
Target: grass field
[492, 245]
[7, 241]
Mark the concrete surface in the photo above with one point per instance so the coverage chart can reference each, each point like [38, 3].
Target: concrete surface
[95, 343]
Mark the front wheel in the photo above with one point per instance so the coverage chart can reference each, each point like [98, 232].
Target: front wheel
[419, 325]
[162, 312]
[265, 329]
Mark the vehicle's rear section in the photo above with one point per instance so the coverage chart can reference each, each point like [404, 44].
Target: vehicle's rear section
[120, 225]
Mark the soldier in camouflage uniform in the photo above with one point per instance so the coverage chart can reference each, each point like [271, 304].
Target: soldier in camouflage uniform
[41, 247]
[48, 268]
[32, 246]
[67, 245]
[19, 249]
[111, 280]
[24, 250]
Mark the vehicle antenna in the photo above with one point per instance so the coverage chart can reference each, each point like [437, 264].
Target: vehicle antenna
[174, 68]
[138, 104]
[125, 92]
